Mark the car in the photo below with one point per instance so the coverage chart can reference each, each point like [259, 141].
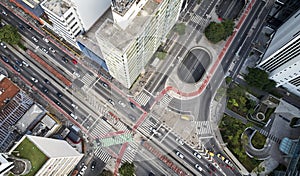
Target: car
[52, 50]
[46, 40]
[197, 166]
[83, 170]
[25, 63]
[132, 105]
[21, 27]
[74, 61]
[93, 165]
[74, 116]
[57, 102]
[16, 68]
[179, 154]
[104, 84]
[34, 80]
[179, 141]
[76, 74]
[122, 104]
[155, 131]
[65, 59]
[44, 50]
[19, 63]
[3, 44]
[111, 102]
[227, 161]
[4, 13]
[5, 59]
[46, 81]
[35, 39]
[220, 156]
[29, 27]
[132, 117]
[45, 90]
[196, 154]
[59, 94]
[74, 106]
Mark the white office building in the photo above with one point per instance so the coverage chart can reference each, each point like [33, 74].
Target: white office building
[61, 157]
[137, 29]
[69, 18]
[282, 58]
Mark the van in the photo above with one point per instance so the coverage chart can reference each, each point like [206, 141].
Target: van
[25, 63]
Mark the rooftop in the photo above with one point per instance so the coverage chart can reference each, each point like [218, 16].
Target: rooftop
[7, 91]
[121, 6]
[121, 38]
[59, 7]
[28, 150]
[31, 3]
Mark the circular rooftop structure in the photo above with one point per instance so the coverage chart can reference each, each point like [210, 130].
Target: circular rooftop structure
[194, 65]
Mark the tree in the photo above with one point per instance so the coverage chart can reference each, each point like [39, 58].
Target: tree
[180, 28]
[216, 32]
[127, 169]
[10, 35]
[260, 79]
[106, 173]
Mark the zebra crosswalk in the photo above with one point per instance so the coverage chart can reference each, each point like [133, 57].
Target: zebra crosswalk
[87, 80]
[143, 98]
[130, 152]
[121, 127]
[99, 129]
[145, 126]
[165, 100]
[102, 155]
[270, 136]
[198, 20]
[203, 128]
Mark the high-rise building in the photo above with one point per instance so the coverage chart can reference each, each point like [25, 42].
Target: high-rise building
[69, 18]
[137, 29]
[51, 156]
[5, 165]
[282, 57]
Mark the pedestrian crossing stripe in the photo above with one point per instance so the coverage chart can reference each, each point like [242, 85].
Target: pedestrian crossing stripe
[203, 127]
[102, 155]
[87, 80]
[142, 98]
[119, 139]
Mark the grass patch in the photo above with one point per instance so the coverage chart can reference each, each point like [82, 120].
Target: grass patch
[231, 130]
[180, 28]
[268, 114]
[258, 140]
[29, 151]
[161, 55]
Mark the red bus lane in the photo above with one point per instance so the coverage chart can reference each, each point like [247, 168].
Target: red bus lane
[54, 72]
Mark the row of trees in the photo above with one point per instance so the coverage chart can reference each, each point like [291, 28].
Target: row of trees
[216, 32]
[259, 79]
[9, 34]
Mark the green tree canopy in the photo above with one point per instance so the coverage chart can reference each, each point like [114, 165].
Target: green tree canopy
[127, 169]
[106, 173]
[180, 28]
[216, 32]
[9, 34]
[260, 79]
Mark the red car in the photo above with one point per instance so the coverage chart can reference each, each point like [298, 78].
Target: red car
[74, 61]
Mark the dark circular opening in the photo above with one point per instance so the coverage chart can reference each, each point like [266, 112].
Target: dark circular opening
[193, 66]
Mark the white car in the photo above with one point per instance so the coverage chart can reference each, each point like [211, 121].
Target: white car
[44, 50]
[198, 167]
[111, 102]
[3, 45]
[73, 116]
[180, 155]
[74, 106]
[52, 50]
[34, 80]
[76, 74]
[122, 104]
[35, 39]
[25, 63]
[4, 13]
[46, 40]
[196, 154]
[179, 141]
